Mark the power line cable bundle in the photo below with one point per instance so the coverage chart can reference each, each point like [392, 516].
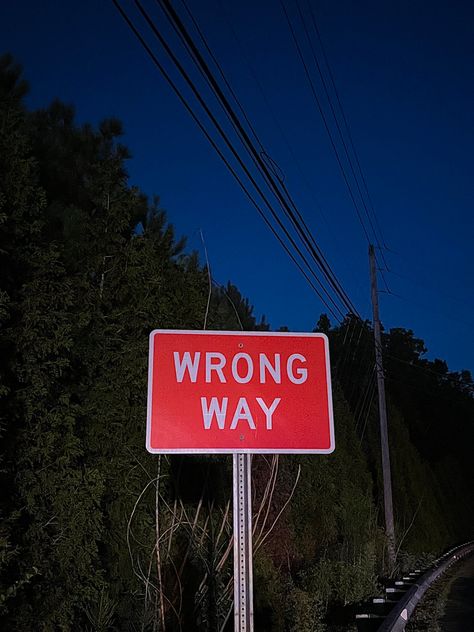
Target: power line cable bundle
[247, 161]
[348, 158]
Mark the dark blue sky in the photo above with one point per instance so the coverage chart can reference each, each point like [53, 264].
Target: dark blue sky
[404, 70]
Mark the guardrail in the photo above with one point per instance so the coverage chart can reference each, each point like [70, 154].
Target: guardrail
[391, 612]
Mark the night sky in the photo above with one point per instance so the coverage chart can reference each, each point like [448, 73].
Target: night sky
[404, 71]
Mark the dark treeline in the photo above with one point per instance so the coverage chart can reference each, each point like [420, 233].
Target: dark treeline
[95, 533]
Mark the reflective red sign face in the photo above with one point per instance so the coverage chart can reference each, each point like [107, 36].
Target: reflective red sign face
[226, 392]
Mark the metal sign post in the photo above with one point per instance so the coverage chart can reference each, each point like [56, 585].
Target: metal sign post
[239, 393]
[243, 574]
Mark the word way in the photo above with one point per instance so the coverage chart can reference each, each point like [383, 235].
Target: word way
[242, 412]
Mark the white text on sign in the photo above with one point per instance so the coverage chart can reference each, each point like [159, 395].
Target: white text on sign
[241, 370]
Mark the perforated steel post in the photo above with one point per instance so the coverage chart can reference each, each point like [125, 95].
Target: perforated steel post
[243, 576]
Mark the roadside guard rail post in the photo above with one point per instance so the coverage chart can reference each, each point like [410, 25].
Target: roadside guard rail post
[398, 617]
[392, 612]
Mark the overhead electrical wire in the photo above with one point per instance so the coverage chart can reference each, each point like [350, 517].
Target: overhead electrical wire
[270, 108]
[222, 156]
[433, 310]
[338, 127]
[345, 120]
[351, 331]
[369, 407]
[430, 288]
[336, 120]
[341, 135]
[287, 203]
[448, 377]
[263, 151]
[427, 390]
[257, 158]
[369, 376]
[222, 73]
[361, 364]
[346, 126]
[324, 119]
[352, 145]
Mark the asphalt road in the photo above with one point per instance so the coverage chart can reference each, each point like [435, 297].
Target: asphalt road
[459, 609]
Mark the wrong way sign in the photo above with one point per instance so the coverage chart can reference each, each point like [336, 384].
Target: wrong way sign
[238, 392]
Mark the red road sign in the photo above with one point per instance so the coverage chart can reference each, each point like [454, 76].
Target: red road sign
[229, 391]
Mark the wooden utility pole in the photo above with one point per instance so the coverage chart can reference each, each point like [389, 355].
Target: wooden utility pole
[387, 479]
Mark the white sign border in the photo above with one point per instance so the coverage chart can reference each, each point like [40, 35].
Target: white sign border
[212, 332]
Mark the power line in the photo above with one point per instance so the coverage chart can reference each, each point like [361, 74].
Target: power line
[272, 113]
[290, 209]
[259, 163]
[443, 377]
[225, 161]
[338, 127]
[370, 382]
[221, 155]
[345, 120]
[275, 118]
[221, 71]
[431, 288]
[314, 251]
[431, 309]
[381, 271]
[369, 406]
[325, 122]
